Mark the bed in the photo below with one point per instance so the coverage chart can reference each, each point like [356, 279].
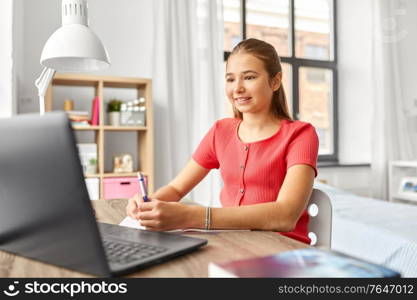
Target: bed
[378, 231]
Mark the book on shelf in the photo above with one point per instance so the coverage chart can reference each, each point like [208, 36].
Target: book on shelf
[95, 112]
[77, 112]
[79, 119]
[78, 116]
[80, 123]
[307, 262]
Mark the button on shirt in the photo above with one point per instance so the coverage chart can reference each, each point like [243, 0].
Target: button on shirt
[254, 172]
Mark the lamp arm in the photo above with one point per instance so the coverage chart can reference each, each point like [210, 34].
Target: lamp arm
[42, 84]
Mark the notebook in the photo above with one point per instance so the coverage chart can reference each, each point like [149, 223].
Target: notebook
[133, 223]
[308, 262]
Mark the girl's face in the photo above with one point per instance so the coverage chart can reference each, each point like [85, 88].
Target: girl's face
[248, 86]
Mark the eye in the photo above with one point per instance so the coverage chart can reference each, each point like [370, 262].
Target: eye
[250, 77]
[229, 79]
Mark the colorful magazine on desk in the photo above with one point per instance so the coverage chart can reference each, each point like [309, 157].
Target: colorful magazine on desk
[308, 262]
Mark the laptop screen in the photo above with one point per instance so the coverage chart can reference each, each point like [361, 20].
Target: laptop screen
[45, 211]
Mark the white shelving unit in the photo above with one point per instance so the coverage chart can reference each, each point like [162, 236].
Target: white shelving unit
[398, 170]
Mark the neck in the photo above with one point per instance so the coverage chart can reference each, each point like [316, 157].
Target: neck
[256, 121]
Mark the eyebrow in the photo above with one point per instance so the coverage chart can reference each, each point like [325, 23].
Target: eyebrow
[244, 72]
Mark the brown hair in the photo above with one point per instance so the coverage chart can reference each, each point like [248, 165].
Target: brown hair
[269, 56]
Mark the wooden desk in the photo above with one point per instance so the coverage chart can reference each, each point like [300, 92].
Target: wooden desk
[221, 247]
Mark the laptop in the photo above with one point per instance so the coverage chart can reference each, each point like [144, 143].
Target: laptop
[46, 213]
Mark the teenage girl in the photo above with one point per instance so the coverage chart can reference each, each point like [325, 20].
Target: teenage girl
[267, 161]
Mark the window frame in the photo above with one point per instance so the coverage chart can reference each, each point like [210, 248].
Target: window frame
[296, 63]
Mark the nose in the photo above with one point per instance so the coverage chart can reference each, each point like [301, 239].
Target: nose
[239, 87]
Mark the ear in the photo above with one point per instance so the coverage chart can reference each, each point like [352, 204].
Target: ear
[277, 81]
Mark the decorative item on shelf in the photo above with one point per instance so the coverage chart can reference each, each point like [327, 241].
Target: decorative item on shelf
[122, 163]
[133, 113]
[88, 157]
[408, 186]
[113, 109]
[69, 105]
[92, 166]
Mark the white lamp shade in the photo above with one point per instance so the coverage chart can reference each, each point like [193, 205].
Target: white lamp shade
[74, 48]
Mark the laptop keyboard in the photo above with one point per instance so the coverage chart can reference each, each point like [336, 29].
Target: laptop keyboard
[125, 252]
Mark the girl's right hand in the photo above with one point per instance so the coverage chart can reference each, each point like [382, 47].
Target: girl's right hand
[132, 209]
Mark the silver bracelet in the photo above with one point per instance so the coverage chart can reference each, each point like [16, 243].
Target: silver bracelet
[207, 221]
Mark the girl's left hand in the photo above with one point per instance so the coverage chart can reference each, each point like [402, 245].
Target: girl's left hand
[161, 215]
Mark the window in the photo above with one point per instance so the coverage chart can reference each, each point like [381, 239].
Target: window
[316, 51]
[302, 32]
[314, 75]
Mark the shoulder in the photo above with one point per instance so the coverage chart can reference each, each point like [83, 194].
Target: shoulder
[294, 130]
[226, 124]
[297, 126]
[223, 129]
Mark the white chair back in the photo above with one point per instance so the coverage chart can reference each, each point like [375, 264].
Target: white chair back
[320, 225]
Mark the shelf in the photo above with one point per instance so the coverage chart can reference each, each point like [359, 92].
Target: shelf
[92, 175]
[93, 80]
[406, 164]
[405, 197]
[110, 128]
[85, 128]
[106, 87]
[75, 82]
[124, 128]
[133, 174]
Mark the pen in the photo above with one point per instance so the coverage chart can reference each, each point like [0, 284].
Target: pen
[143, 187]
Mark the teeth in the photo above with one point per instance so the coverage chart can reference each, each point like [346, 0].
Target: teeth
[242, 100]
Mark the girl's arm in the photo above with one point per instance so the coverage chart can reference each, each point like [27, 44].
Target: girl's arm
[281, 215]
[180, 186]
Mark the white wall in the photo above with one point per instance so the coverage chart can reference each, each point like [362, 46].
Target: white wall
[355, 70]
[356, 179]
[6, 59]
[355, 84]
[18, 37]
[354, 38]
[355, 80]
[405, 31]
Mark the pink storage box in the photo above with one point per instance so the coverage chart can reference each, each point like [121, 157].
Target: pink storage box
[121, 187]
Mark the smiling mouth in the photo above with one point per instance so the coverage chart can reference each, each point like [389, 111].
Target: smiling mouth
[242, 100]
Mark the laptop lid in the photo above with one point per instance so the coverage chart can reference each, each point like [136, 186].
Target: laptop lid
[45, 211]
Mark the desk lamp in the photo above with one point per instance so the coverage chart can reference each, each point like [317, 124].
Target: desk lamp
[73, 47]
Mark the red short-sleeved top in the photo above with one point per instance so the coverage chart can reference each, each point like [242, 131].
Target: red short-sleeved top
[254, 172]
